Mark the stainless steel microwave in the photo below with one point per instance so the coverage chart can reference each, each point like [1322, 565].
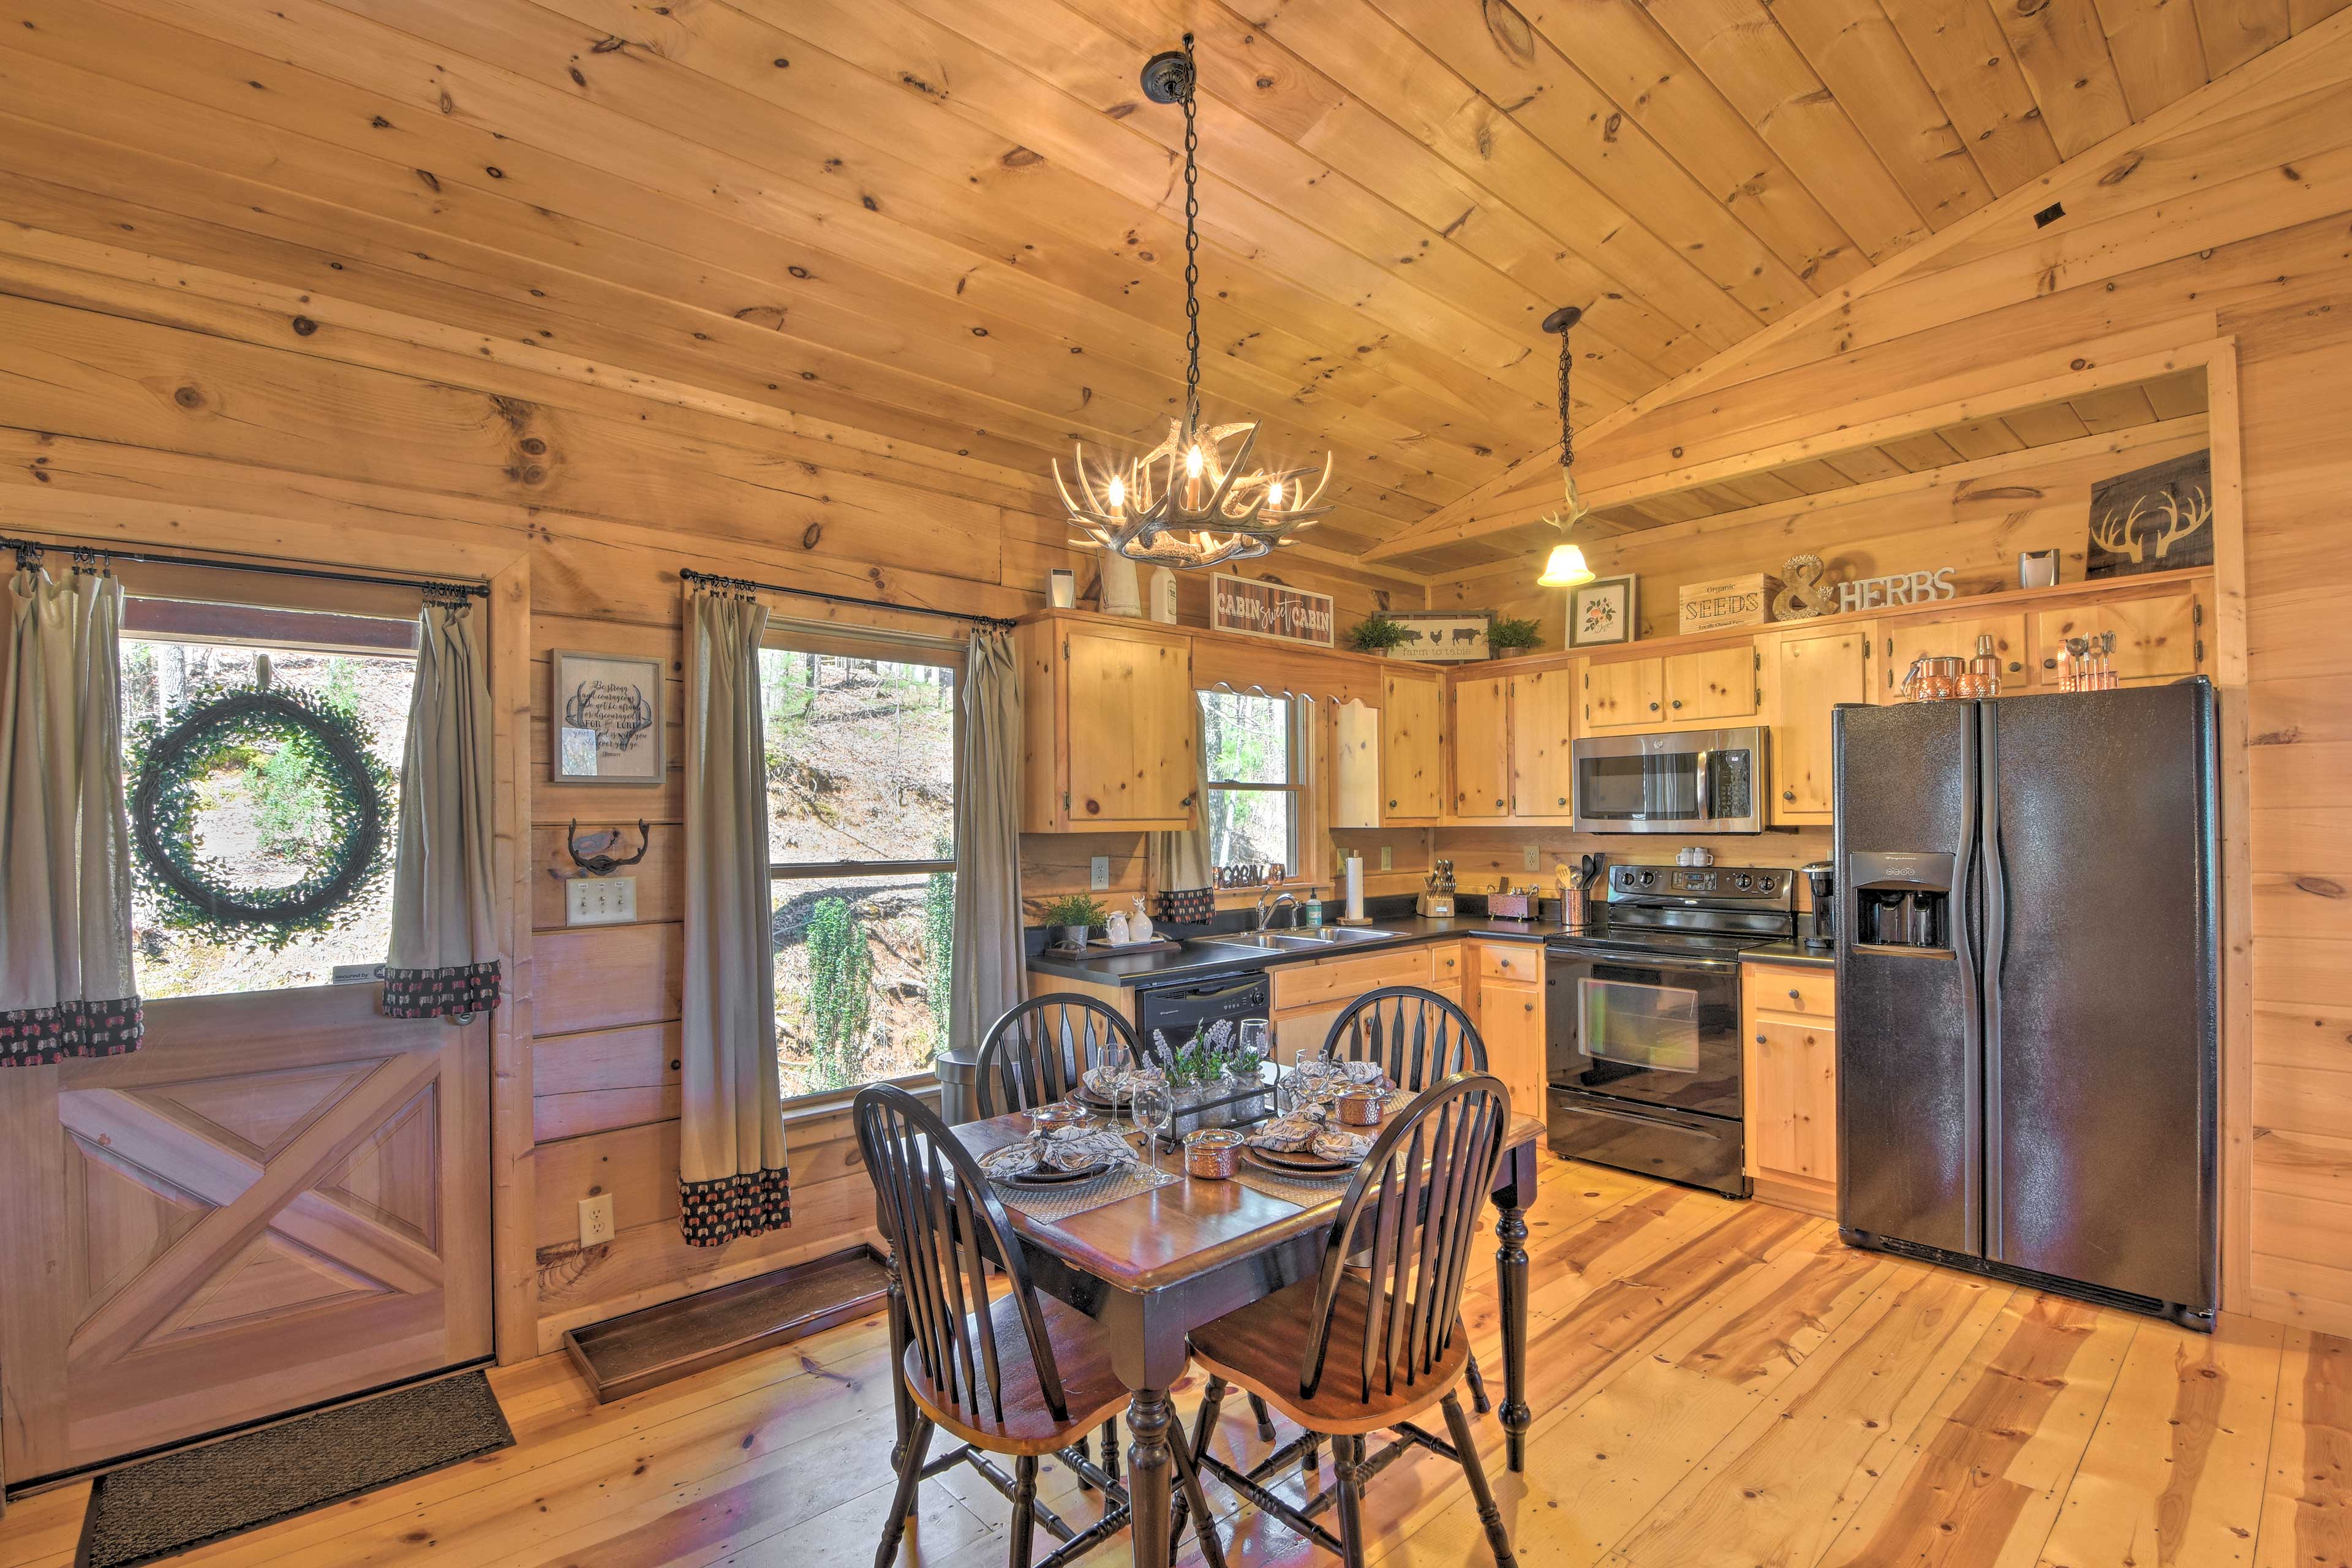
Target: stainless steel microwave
[1687, 781]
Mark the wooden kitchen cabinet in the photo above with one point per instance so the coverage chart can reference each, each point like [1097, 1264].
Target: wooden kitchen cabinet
[1624, 694]
[1510, 1018]
[1806, 674]
[1789, 1034]
[1109, 726]
[2157, 637]
[1356, 766]
[1955, 638]
[1711, 685]
[1482, 747]
[1543, 729]
[1413, 750]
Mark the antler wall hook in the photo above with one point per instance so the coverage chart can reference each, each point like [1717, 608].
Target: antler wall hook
[605, 864]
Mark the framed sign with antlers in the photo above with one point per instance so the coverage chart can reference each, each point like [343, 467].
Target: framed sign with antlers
[2158, 518]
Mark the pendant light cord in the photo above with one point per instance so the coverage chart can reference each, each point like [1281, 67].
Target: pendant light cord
[1566, 437]
[1191, 245]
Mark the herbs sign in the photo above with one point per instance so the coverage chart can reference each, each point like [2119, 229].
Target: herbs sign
[1901, 588]
[1261, 609]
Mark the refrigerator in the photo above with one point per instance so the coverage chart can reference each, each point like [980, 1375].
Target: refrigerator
[2028, 990]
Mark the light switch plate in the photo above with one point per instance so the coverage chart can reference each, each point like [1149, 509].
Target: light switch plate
[596, 1220]
[1531, 857]
[1098, 873]
[600, 900]
[1388, 858]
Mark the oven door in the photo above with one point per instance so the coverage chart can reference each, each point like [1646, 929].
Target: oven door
[1651, 1029]
[1688, 781]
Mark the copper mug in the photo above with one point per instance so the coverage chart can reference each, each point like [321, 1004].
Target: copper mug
[1361, 1106]
[1213, 1153]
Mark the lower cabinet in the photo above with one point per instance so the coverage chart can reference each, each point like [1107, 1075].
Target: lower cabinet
[1790, 1038]
[1511, 1019]
[1309, 998]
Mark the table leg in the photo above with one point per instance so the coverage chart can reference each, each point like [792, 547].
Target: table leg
[1149, 1415]
[1511, 1268]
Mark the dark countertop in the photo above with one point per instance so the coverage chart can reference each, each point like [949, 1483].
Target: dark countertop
[1151, 968]
[1795, 952]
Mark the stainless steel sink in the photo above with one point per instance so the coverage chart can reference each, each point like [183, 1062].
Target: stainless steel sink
[1291, 940]
[1339, 936]
[1272, 940]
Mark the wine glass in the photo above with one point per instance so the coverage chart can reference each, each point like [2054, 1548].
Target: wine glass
[1118, 1061]
[1152, 1104]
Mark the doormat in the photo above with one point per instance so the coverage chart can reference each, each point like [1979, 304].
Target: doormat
[178, 1501]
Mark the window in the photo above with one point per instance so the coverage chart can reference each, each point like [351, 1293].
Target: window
[1254, 783]
[261, 815]
[861, 847]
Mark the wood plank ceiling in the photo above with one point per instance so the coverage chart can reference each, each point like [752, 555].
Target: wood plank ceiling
[956, 222]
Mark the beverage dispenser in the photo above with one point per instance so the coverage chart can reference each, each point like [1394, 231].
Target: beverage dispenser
[1900, 899]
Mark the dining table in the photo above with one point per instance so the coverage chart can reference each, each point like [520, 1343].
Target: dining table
[1152, 1267]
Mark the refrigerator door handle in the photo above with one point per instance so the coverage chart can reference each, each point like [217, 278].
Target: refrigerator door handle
[1996, 955]
[1966, 949]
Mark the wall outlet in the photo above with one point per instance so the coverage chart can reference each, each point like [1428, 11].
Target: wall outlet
[600, 900]
[596, 1220]
[1531, 857]
[1388, 858]
[1099, 874]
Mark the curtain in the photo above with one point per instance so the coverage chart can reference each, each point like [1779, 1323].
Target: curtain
[986, 970]
[1185, 858]
[444, 959]
[732, 1175]
[67, 987]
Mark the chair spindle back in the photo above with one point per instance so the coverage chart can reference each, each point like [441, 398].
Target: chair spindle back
[1039, 1050]
[1418, 1036]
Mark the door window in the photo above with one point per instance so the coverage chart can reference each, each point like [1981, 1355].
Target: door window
[1651, 785]
[1654, 1026]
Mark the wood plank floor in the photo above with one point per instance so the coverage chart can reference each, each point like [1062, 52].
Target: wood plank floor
[1715, 1383]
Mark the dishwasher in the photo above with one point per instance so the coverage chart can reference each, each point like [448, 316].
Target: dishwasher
[1177, 1007]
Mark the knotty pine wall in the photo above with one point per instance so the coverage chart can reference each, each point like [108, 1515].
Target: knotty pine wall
[144, 398]
[2237, 222]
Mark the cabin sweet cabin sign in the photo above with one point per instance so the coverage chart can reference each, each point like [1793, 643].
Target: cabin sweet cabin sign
[1270, 610]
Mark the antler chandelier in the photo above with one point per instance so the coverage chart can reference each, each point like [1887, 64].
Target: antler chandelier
[1184, 503]
[1565, 568]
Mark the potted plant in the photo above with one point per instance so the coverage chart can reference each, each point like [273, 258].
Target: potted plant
[1375, 634]
[1073, 918]
[1506, 637]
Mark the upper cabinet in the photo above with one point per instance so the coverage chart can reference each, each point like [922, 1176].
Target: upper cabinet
[1543, 726]
[1413, 750]
[1711, 684]
[1110, 727]
[1806, 673]
[2158, 637]
[1952, 636]
[1482, 747]
[1624, 694]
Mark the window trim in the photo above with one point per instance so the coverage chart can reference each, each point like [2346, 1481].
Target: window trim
[1296, 748]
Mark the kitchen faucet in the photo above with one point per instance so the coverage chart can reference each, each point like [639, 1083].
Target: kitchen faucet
[1265, 910]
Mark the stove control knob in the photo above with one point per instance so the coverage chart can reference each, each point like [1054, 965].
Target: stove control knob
[1649, 878]
[1763, 884]
[1742, 881]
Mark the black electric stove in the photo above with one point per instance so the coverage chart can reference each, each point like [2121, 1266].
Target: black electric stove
[1641, 1020]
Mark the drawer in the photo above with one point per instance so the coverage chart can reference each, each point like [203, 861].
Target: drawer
[1448, 965]
[1345, 979]
[1522, 965]
[1784, 988]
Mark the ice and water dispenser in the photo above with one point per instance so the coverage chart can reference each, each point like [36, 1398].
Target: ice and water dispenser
[1902, 899]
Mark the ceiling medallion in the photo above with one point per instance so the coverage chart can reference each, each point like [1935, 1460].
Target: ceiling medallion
[1186, 503]
[1565, 567]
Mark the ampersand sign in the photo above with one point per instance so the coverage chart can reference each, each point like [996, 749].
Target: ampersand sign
[1804, 594]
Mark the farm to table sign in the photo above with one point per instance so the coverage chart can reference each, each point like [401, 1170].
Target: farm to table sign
[1270, 610]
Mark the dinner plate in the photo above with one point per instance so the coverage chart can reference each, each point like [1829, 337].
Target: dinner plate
[1045, 1178]
[1301, 1163]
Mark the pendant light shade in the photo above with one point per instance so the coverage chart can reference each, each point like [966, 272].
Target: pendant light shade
[1565, 568]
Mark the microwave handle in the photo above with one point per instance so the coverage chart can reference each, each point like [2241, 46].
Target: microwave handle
[1705, 785]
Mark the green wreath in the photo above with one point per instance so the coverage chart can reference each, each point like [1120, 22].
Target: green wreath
[333, 752]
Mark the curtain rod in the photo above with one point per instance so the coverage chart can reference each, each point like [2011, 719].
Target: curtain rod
[31, 550]
[999, 622]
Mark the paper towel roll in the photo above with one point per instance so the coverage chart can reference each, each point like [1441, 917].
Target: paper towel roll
[1355, 887]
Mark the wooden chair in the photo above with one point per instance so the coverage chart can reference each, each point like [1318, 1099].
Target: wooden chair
[1418, 1037]
[1039, 1050]
[1370, 1347]
[1021, 1374]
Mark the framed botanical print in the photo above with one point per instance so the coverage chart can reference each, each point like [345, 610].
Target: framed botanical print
[1600, 612]
[606, 717]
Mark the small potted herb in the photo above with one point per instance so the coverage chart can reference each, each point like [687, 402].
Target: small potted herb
[1505, 638]
[1073, 918]
[1375, 634]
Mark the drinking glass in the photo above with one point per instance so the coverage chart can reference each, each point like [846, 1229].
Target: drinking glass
[1119, 1057]
[1153, 1106]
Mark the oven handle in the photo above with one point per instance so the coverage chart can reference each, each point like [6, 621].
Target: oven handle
[1649, 960]
[1588, 1108]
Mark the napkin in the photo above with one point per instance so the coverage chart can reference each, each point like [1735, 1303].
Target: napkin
[1287, 1134]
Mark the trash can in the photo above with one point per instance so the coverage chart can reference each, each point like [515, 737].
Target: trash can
[958, 1088]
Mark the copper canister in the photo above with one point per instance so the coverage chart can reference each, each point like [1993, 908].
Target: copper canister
[1362, 1107]
[1213, 1153]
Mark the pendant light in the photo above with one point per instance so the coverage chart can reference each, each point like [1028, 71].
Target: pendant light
[1565, 567]
[1186, 503]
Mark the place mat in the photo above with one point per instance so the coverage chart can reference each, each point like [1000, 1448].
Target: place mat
[1303, 1191]
[1056, 1203]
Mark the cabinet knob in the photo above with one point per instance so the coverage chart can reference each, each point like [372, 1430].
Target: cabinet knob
[1499, 800]
[2046, 664]
[1788, 794]
[1759, 1039]
[1653, 708]
[1678, 702]
[2014, 667]
[1529, 1005]
[1563, 800]
[1392, 805]
[1793, 996]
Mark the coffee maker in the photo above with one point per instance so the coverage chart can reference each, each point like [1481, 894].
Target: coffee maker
[1820, 928]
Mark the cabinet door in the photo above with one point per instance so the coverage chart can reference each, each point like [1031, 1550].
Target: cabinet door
[1301, 1032]
[1482, 747]
[1955, 638]
[1413, 744]
[1356, 766]
[1510, 1022]
[1131, 728]
[1792, 1099]
[1622, 694]
[1810, 674]
[1543, 723]
[2156, 636]
[1715, 683]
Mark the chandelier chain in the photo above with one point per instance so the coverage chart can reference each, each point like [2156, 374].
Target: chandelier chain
[1191, 244]
[1566, 437]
